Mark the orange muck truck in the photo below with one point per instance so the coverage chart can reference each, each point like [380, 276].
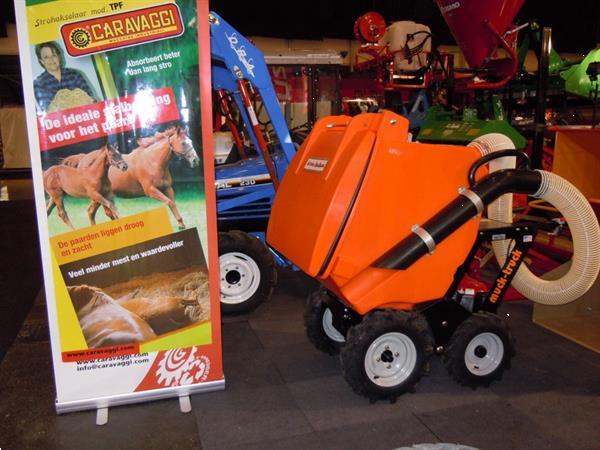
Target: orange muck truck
[389, 228]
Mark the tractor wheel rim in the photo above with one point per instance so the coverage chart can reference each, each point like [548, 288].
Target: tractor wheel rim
[240, 277]
[331, 331]
[390, 359]
[484, 354]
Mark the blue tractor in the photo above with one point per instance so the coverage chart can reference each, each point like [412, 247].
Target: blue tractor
[246, 187]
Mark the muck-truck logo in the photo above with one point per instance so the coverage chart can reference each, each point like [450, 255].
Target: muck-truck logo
[106, 33]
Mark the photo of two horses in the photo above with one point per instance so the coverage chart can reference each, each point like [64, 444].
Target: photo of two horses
[86, 181]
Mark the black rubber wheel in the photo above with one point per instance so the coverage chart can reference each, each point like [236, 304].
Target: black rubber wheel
[318, 324]
[247, 272]
[480, 350]
[386, 354]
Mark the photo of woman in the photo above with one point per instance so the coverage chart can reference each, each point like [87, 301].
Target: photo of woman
[59, 87]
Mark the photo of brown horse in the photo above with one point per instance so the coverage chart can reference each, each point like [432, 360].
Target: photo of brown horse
[148, 167]
[89, 181]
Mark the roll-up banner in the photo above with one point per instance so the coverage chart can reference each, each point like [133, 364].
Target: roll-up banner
[119, 120]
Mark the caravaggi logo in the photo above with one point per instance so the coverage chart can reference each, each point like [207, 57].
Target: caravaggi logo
[102, 34]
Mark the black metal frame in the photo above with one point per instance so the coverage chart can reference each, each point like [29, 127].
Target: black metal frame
[522, 234]
[312, 71]
[445, 315]
[343, 317]
[540, 107]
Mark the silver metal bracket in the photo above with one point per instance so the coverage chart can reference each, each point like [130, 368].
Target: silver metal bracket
[473, 197]
[425, 236]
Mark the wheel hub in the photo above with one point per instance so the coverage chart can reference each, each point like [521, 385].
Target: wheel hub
[390, 359]
[484, 354]
[387, 356]
[233, 276]
[240, 277]
[480, 351]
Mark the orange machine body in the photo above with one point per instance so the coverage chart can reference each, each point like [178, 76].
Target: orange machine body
[354, 190]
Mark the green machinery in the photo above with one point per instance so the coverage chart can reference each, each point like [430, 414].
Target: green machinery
[462, 127]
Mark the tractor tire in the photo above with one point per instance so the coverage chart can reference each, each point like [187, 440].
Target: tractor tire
[247, 272]
[386, 354]
[479, 351]
[318, 323]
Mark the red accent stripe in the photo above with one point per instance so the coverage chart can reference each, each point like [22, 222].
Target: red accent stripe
[209, 177]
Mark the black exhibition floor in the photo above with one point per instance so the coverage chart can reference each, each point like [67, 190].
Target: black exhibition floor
[281, 393]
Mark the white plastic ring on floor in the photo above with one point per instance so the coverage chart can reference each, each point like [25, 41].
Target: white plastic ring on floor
[484, 354]
[390, 359]
[240, 277]
[331, 331]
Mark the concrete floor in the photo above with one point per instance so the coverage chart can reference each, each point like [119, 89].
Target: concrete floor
[283, 394]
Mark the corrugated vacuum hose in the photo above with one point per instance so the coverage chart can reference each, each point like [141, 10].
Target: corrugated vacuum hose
[578, 214]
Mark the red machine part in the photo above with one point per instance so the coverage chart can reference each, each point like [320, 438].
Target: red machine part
[479, 27]
[470, 22]
[369, 28]
[225, 111]
[472, 284]
[374, 54]
[246, 94]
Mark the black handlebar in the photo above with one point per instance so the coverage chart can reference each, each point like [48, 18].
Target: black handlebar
[499, 154]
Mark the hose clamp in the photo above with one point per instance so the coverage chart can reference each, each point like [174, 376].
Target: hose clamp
[475, 199]
[425, 237]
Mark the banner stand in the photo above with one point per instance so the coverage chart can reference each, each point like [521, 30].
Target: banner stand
[128, 399]
[130, 267]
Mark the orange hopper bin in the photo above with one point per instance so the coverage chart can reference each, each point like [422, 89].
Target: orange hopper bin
[354, 190]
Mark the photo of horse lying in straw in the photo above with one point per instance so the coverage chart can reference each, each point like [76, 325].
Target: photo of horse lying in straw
[143, 308]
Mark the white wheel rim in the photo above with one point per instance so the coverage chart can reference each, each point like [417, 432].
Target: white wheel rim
[484, 354]
[240, 277]
[390, 359]
[331, 332]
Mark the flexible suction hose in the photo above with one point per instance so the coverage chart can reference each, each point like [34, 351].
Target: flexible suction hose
[579, 215]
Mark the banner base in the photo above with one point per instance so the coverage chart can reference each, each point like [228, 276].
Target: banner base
[185, 404]
[102, 416]
[138, 397]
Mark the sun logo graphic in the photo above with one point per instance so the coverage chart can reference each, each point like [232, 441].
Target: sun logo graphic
[80, 38]
[180, 367]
